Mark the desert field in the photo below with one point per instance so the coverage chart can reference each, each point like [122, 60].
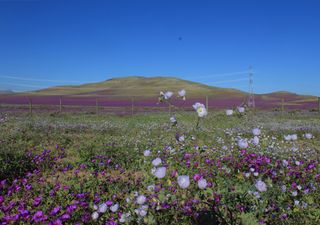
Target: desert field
[254, 167]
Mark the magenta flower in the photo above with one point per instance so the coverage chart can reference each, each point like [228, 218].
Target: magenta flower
[55, 210]
[197, 177]
[56, 222]
[37, 201]
[65, 217]
[39, 217]
[109, 203]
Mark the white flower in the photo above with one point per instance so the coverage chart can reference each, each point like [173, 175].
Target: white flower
[197, 105]
[256, 194]
[103, 208]
[298, 163]
[285, 163]
[123, 218]
[181, 138]
[95, 215]
[229, 112]
[255, 174]
[167, 95]
[184, 181]
[255, 140]
[256, 131]
[291, 137]
[144, 207]
[173, 119]
[153, 170]
[242, 143]
[296, 202]
[182, 93]
[114, 208]
[95, 207]
[241, 109]
[202, 183]
[287, 137]
[142, 212]
[156, 162]
[294, 193]
[308, 136]
[283, 188]
[261, 186]
[247, 175]
[201, 109]
[128, 200]
[146, 153]
[151, 187]
[160, 172]
[141, 199]
[294, 137]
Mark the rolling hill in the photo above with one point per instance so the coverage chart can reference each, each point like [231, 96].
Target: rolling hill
[119, 91]
[139, 87]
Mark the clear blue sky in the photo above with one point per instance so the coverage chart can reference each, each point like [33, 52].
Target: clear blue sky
[46, 42]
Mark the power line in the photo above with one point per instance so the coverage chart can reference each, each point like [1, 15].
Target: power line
[223, 74]
[228, 81]
[36, 79]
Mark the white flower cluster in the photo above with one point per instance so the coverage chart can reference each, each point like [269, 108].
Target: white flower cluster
[167, 95]
[291, 137]
[229, 112]
[200, 109]
[102, 208]
[241, 109]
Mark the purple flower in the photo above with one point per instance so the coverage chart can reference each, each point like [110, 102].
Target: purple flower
[197, 177]
[71, 208]
[56, 222]
[65, 217]
[24, 213]
[109, 203]
[37, 201]
[28, 187]
[39, 217]
[55, 210]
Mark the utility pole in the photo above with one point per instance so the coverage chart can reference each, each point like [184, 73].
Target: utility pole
[251, 102]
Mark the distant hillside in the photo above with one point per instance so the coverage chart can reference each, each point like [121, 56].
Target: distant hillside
[5, 92]
[145, 90]
[140, 87]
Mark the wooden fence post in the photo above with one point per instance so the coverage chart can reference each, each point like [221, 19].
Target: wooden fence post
[207, 103]
[60, 104]
[97, 106]
[30, 105]
[132, 106]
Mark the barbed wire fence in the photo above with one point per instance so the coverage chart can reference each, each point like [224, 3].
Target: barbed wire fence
[122, 104]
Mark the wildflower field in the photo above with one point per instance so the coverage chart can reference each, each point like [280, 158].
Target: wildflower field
[216, 167]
